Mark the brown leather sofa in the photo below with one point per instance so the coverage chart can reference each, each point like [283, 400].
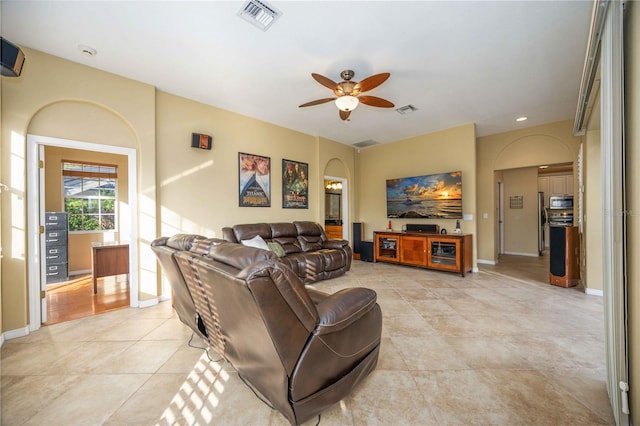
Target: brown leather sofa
[302, 350]
[308, 251]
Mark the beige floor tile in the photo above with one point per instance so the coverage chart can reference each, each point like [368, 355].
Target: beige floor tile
[171, 329]
[215, 397]
[587, 386]
[184, 360]
[390, 357]
[488, 352]
[90, 401]
[87, 357]
[131, 329]
[428, 353]
[24, 359]
[144, 356]
[530, 397]
[148, 404]
[410, 325]
[24, 396]
[390, 398]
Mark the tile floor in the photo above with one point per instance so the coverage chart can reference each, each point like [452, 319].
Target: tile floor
[497, 347]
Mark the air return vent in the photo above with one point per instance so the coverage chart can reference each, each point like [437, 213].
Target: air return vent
[365, 144]
[259, 14]
[407, 109]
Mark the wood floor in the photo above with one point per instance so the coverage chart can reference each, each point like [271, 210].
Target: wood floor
[75, 298]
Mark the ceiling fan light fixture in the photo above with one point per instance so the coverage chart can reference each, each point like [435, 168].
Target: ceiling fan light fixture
[347, 103]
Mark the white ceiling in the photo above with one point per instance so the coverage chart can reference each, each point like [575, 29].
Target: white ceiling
[458, 62]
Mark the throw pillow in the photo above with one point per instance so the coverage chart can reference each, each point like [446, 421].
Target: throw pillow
[276, 248]
[256, 242]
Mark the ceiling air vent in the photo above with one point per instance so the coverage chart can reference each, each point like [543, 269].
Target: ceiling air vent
[407, 109]
[365, 144]
[259, 14]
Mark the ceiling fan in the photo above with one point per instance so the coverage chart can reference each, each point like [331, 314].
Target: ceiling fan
[347, 92]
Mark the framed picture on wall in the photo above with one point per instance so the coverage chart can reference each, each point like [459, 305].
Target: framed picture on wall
[295, 185]
[254, 175]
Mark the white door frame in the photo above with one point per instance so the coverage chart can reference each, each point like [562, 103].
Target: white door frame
[344, 206]
[35, 209]
[613, 210]
[500, 218]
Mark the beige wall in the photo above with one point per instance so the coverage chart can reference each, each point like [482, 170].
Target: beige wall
[521, 225]
[592, 225]
[80, 243]
[446, 151]
[198, 189]
[58, 98]
[632, 93]
[552, 143]
[338, 160]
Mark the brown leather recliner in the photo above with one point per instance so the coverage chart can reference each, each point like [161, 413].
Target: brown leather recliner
[301, 349]
[165, 249]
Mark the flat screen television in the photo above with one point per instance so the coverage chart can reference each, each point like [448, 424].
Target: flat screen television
[436, 196]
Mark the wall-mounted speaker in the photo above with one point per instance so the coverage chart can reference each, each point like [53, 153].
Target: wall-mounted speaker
[12, 58]
[198, 140]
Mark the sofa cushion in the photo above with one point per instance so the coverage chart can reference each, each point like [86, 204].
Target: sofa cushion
[310, 243]
[256, 242]
[276, 248]
[250, 230]
[286, 235]
[239, 256]
[308, 228]
[202, 246]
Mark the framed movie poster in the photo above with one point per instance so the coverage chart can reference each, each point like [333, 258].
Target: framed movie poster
[254, 172]
[295, 185]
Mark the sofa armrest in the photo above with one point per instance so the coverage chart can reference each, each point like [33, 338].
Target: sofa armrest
[334, 244]
[339, 310]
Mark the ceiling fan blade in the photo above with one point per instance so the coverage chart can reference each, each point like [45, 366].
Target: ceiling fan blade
[326, 82]
[317, 102]
[376, 101]
[372, 82]
[345, 115]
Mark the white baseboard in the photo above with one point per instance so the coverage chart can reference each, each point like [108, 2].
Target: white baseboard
[147, 303]
[594, 292]
[1, 339]
[487, 262]
[522, 254]
[475, 269]
[14, 334]
[164, 298]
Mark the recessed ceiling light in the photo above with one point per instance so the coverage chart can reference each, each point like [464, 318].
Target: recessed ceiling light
[87, 50]
[523, 118]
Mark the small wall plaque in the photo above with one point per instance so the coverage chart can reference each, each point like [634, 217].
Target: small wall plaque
[516, 202]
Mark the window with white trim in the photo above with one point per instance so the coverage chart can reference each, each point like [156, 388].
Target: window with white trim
[90, 196]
